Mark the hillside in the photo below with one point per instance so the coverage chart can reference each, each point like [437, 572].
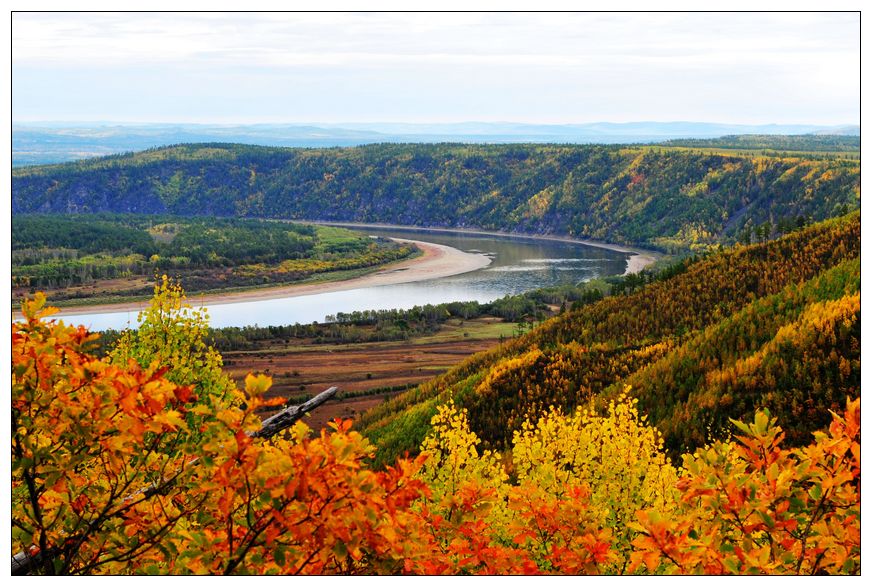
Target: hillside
[812, 143]
[656, 197]
[774, 325]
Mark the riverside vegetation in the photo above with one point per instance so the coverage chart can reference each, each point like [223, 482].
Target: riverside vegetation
[107, 257]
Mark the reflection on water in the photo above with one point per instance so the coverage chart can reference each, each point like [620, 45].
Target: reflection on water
[519, 264]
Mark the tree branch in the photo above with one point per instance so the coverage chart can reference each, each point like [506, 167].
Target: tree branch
[24, 563]
[287, 417]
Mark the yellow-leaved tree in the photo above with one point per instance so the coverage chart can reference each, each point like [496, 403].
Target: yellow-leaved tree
[617, 455]
[172, 333]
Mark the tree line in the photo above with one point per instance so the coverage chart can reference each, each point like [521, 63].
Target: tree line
[57, 252]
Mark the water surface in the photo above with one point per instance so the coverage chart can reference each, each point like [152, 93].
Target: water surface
[519, 264]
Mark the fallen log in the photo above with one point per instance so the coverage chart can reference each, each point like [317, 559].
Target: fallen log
[286, 418]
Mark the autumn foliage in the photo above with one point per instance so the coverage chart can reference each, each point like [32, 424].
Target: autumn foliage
[117, 469]
[773, 324]
[123, 467]
[750, 506]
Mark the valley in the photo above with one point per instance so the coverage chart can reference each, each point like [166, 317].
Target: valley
[516, 355]
[435, 293]
[733, 287]
[366, 373]
[455, 266]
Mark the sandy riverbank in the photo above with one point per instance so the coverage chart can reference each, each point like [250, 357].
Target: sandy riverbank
[638, 262]
[639, 259]
[436, 261]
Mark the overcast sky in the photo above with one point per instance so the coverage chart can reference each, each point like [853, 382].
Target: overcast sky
[545, 68]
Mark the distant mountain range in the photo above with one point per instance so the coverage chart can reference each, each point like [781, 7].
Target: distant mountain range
[54, 142]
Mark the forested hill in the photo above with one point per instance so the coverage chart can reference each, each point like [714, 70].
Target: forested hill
[773, 325]
[669, 199]
[809, 143]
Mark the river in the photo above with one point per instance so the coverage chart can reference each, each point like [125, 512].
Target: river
[518, 264]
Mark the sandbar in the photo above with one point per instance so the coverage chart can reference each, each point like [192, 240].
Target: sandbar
[639, 261]
[435, 261]
[639, 258]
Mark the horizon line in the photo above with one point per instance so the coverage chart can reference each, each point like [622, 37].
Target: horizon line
[468, 121]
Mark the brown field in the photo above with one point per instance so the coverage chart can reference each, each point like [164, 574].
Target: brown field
[372, 372]
[86, 293]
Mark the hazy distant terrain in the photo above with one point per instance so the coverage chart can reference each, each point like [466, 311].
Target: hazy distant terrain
[38, 143]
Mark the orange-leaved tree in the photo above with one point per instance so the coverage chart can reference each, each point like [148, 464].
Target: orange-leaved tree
[110, 475]
[99, 451]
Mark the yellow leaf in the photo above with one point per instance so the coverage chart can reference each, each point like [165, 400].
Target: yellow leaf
[256, 385]
[172, 419]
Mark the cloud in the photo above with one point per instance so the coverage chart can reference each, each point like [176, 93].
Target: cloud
[563, 56]
[312, 38]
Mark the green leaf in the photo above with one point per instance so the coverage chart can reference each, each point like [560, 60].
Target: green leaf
[741, 426]
[279, 556]
[761, 421]
[849, 566]
[732, 564]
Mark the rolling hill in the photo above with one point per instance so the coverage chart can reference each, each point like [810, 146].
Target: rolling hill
[772, 325]
[669, 199]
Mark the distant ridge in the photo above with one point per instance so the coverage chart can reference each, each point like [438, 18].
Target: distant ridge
[662, 197]
[55, 142]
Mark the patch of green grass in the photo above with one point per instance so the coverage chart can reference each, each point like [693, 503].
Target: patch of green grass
[470, 330]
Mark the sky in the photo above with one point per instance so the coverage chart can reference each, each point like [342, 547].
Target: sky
[742, 68]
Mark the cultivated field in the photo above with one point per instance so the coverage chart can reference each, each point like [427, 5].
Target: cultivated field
[366, 373]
